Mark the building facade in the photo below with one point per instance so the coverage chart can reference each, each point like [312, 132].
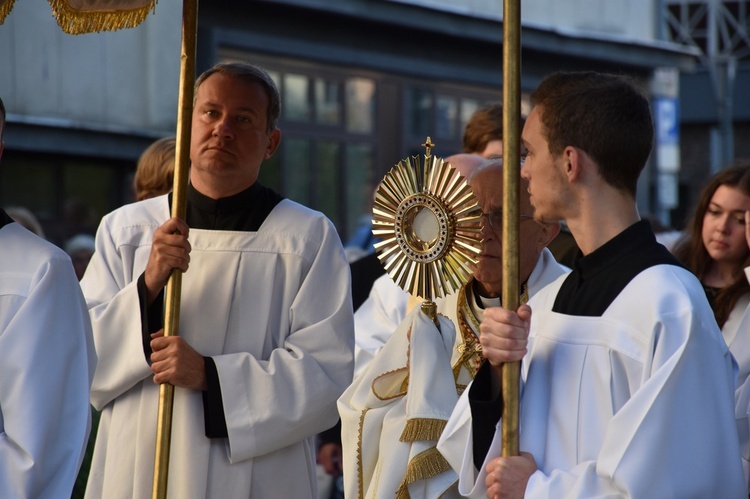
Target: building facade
[363, 82]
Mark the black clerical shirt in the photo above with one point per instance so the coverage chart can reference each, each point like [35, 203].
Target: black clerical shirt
[245, 211]
[594, 283]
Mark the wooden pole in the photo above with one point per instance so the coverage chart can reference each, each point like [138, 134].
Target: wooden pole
[511, 182]
[179, 207]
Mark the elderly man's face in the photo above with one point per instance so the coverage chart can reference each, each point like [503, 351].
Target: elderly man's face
[487, 185]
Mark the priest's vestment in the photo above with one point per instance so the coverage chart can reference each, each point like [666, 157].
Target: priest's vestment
[387, 306]
[395, 409]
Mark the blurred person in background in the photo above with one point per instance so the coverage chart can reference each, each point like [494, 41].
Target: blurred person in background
[80, 248]
[154, 173]
[483, 134]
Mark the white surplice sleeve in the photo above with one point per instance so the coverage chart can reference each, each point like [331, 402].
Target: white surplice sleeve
[46, 363]
[271, 403]
[376, 320]
[647, 414]
[110, 288]
[674, 436]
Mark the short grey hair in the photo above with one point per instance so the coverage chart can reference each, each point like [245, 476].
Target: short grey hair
[252, 74]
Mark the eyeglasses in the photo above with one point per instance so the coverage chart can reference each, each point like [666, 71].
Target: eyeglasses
[495, 218]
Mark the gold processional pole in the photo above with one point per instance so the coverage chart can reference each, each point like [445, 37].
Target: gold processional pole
[511, 176]
[179, 204]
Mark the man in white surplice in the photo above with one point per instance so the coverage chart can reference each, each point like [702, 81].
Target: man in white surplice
[388, 431]
[626, 382]
[47, 360]
[266, 329]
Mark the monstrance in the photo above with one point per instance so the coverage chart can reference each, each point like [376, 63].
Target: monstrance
[429, 224]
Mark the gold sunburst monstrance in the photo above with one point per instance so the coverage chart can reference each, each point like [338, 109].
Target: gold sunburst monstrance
[429, 224]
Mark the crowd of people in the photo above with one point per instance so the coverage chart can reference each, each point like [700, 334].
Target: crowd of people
[634, 357]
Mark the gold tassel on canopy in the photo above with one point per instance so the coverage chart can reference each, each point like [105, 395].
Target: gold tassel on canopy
[77, 17]
[5, 8]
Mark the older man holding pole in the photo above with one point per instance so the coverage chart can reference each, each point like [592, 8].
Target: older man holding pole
[262, 354]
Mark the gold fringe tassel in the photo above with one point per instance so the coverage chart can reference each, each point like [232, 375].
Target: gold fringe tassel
[78, 22]
[360, 473]
[425, 465]
[421, 429]
[5, 8]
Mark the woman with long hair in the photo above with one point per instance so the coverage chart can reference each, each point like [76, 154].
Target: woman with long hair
[716, 247]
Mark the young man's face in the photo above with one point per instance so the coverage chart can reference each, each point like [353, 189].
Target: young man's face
[545, 173]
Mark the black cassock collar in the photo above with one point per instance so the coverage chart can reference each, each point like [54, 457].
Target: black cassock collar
[244, 211]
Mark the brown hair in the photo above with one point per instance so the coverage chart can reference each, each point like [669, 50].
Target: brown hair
[154, 174]
[251, 74]
[691, 251]
[605, 115]
[485, 125]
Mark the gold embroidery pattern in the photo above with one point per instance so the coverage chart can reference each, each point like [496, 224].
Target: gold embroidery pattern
[470, 348]
[360, 473]
[421, 429]
[426, 464]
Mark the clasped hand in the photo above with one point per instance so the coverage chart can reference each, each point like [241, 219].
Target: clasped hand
[170, 250]
[173, 360]
[504, 334]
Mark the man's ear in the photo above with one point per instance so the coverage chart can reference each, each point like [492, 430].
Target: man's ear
[273, 142]
[573, 163]
[548, 232]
